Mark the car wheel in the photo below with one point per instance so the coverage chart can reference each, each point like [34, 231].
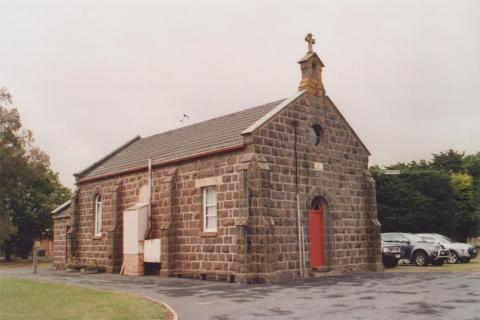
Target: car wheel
[420, 259]
[438, 262]
[453, 258]
[466, 260]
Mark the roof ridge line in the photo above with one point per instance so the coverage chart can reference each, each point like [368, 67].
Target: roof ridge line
[109, 155]
[272, 113]
[224, 115]
[217, 128]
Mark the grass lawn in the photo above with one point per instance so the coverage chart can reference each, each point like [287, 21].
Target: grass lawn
[24, 300]
[43, 264]
[472, 266]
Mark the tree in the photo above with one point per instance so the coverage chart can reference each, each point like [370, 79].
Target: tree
[29, 189]
[415, 201]
[466, 219]
[450, 161]
[6, 228]
[472, 166]
[442, 195]
[12, 161]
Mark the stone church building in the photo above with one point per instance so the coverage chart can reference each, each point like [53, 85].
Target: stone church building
[271, 193]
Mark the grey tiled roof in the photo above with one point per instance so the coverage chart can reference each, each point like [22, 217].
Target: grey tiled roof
[221, 132]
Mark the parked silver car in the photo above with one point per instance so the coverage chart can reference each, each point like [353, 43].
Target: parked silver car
[418, 251]
[458, 251]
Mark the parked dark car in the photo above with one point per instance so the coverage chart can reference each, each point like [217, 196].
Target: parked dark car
[391, 253]
[418, 252]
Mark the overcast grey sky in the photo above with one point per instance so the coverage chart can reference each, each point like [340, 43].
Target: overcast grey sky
[89, 75]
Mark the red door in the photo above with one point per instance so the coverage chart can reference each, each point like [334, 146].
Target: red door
[315, 220]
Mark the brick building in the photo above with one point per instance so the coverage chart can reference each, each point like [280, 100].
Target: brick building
[270, 193]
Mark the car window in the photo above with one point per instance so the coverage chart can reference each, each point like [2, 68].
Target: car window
[391, 237]
[429, 239]
[440, 239]
[447, 239]
[395, 237]
[387, 237]
[414, 238]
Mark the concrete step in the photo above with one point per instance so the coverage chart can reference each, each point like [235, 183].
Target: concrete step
[323, 272]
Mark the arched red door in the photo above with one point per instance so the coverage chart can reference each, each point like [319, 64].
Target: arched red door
[315, 220]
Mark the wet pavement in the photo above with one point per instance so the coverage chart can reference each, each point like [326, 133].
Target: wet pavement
[358, 296]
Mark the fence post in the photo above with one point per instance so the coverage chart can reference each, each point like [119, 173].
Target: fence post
[34, 257]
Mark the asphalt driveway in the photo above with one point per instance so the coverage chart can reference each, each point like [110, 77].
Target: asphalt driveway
[359, 296]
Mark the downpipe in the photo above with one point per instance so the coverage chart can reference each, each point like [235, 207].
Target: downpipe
[149, 209]
[67, 229]
[300, 238]
[301, 248]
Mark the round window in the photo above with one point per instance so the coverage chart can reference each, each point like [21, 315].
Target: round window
[316, 133]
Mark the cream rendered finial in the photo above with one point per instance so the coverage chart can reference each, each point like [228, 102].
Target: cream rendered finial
[311, 41]
[311, 67]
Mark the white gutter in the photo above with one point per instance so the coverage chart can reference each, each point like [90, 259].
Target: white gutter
[272, 113]
[61, 207]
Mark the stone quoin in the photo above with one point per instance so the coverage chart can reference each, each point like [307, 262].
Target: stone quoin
[236, 197]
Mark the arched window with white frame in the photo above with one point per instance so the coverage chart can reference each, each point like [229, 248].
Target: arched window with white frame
[98, 215]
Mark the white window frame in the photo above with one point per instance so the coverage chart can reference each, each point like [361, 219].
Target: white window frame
[98, 215]
[207, 205]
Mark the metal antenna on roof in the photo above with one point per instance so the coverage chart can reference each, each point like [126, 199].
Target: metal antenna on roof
[184, 118]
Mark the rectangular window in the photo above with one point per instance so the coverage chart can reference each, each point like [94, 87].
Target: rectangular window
[98, 216]
[210, 209]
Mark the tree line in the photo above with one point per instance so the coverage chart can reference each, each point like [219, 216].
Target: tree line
[441, 195]
[29, 188]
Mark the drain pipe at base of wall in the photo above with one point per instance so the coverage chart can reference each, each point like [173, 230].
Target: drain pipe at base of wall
[114, 227]
[301, 248]
[67, 228]
[300, 236]
[149, 230]
[302, 229]
[71, 226]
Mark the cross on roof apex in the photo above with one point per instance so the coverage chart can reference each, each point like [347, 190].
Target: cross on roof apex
[311, 41]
